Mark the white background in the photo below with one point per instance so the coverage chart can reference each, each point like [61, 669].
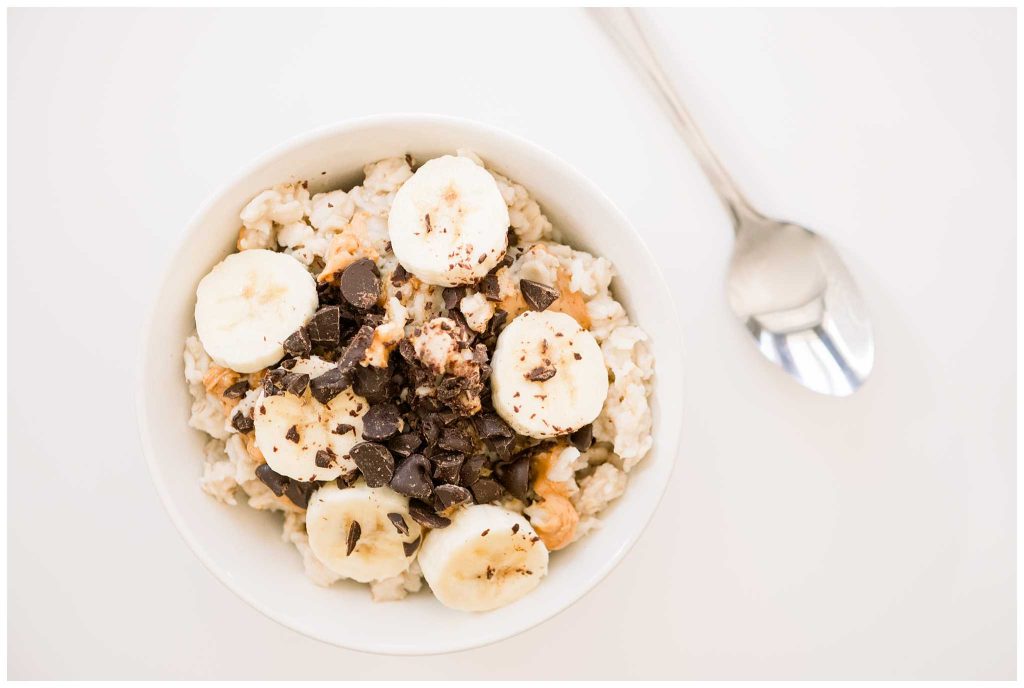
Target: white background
[801, 536]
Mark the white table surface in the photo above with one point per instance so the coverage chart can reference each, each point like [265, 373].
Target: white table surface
[801, 536]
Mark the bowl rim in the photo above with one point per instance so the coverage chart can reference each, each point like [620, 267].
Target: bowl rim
[192, 227]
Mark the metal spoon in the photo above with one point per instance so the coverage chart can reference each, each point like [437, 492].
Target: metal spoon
[785, 283]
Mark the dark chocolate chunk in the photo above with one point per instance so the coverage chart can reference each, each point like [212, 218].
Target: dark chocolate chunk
[325, 458]
[381, 422]
[342, 428]
[470, 471]
[451, 297]
[355, 349]
[541, 373]
[515, 477]
[237, 390]
[289, 363]
[502, 446]
[371, 383]
[412, 477]
[447, 467]
[300, 492]
[425, 516]
[537, 296]
[374, 462]
[243, 423]
[399, 276]
[275, 481]
[399, 522]
[485, 490]
[324, 328]
[411, 547]
[456, 439]
[491, 425]
[490, 288]
[329, 385]
[407, 351]
[298, 343]
[450, 495]
[272, 382]
[360, 284]
[430, 426]
[497, 322]
[354, 531]
[292, 435]
[327, 293]
[583, 438]
[347, 480]
[405, 443]
[295, 383]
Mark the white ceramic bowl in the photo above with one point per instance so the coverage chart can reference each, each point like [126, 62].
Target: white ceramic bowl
[242, 546]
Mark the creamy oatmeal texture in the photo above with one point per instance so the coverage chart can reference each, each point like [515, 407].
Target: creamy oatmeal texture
[446, 337]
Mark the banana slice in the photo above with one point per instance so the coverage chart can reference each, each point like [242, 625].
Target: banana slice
[363, 533]
[300, 437]
[548, 375]
[449, 222]
[248, 304]
[487, 558]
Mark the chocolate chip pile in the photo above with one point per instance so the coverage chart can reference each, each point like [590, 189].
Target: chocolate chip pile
[431, 436]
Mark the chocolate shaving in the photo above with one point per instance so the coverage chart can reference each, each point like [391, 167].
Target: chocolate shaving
[354, 531]
[541, 373]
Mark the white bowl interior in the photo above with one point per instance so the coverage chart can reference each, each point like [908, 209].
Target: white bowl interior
[241, 546]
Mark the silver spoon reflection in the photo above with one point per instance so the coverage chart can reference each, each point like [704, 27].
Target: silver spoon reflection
[786, 284]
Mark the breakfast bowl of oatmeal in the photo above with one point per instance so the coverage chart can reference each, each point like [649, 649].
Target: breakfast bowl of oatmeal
[410, 372]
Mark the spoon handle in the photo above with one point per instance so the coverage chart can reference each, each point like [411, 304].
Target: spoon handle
[624, 28]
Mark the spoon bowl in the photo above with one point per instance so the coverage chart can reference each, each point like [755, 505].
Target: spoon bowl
[795, 296]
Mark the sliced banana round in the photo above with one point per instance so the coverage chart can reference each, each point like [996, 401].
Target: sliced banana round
[548, 375]
[300, 437]
[248, 304]
[449, 223]
[487, 558]
[363, 533]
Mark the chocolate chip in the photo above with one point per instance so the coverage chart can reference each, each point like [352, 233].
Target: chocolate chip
[325, 458]
[298, 343]
[412, 477]
[354, 531]
[456, 439]
[272, 479]
[243, 423]
[447, 467]
[360, 283]
[451, 297]
[292, 435]
[374, 462]
[342, 428]
[411, 547]
[425, 516]
[399, 522]
[583, 438]
[450, 495]
[329, 385]
[515, 477]
[485, 490]
[490, 288]
[237, 390]
[541, 373]
[491, 425]
[381, 422]
[371, 383]
[295, 383]
[537, 296]
[405, 443]
[324, 328]
[470, 471]
[300, 492]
